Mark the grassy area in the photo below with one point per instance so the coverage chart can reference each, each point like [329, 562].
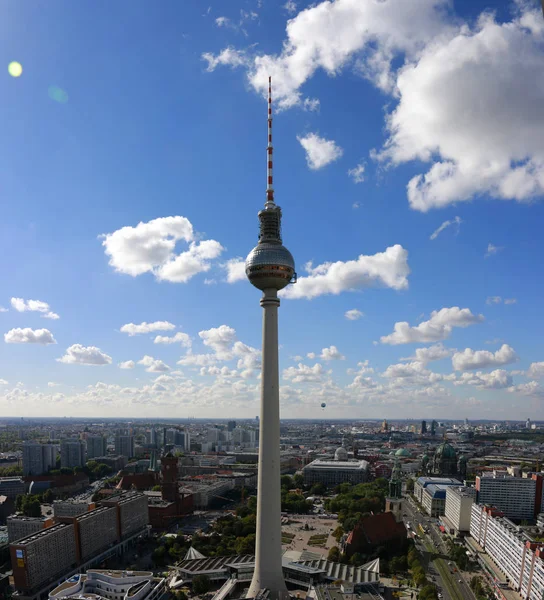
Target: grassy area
[289, 536]
[318, 540]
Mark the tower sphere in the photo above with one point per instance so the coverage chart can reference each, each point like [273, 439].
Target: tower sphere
[270, 266]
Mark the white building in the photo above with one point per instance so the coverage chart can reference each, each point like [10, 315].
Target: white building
[111, 585]
[334, 472]
[512, 551]
[514, 496]
[458, 510]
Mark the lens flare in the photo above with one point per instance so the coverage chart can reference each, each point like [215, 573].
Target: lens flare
[15, 69]
[57, 94]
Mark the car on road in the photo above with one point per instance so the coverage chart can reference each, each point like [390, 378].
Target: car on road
[460, 580]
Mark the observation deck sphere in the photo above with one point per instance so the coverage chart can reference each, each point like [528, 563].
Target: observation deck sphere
[270, 266]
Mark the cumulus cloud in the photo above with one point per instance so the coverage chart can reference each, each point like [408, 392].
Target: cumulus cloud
[127, 364]
[491, 250]
[179, 338]
[389, 269]
[3, 382]
[219, 339]
[153, 365]
[229, 57]
[536, 370]
[481, 359]
[429, 354]
[150, 248]
[330, 35]
[331, 353]
[29, 336]
[470, 106]
[457, 221]
[353, 314]
[21, 305]
[197, 360]
[357, 173]
[84, 355]
[438, 327]
[319, 151]
[236, 269]
[303, 373]
[532, 389]
[496, 380]
[133, 329]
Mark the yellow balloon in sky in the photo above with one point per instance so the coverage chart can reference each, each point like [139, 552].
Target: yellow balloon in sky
[15, 69]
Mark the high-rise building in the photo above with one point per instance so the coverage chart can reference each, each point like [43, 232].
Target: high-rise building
[459, 501]
[124, 445]
[269, 267]
[514, 496]
[212, 435]
[528, 424]
[231, 425]
[38, 458]
[96, 446]
[423, 427]
[183, 439]
[72, 453]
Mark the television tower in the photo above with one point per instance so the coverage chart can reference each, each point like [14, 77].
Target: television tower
[269, 267]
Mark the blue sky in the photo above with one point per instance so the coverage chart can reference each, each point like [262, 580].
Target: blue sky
[133, 167]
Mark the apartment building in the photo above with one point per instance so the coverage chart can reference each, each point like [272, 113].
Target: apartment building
[458, 508]
[514, 496]
[70, 508]
[20, 526]
[38, 458]
[96, 446]
[11, 487]
[132, 511]
[72, 453]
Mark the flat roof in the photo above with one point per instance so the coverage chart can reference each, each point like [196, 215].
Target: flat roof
[39, 534]
[337, 464]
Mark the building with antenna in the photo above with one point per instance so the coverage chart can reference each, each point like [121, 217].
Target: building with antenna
[269, 267]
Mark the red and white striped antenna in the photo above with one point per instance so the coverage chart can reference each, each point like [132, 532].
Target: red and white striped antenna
[270, 149]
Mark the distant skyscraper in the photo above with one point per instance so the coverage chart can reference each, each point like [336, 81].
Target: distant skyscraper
[528, 424]
[124, 445]
[231, 425]
[72, 453]
[434, 425]
[423, 427]
[269, 267]
[96, 446]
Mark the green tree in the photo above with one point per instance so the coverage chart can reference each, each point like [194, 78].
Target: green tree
[334, 554]
[338, 533]
[31, 506]
[48, 496]
[428, 592]
[357, 559]
[201, 585]
[318, 489]
[410, 485]
[287, 482]
[298, 480]
[156, 488]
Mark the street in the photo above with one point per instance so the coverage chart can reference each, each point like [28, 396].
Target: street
[453, 584]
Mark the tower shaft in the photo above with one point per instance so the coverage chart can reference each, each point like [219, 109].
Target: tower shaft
[268, 572]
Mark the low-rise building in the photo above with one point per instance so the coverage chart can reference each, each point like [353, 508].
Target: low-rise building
[334, 472]
[111, 585]
[11, 487]
[423, 482]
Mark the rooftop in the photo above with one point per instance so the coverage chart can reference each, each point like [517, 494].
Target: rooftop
[338, 464]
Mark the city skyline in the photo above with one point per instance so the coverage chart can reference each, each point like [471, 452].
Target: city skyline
[413, 210]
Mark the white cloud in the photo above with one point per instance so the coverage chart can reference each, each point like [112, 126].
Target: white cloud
[153, 365]
[29, 336]
[179, 338]
[219, 339]
[149, 248]
[223, 22]
[331, 353]
[469, 105]
[532, 389]
[357, 173]
[356, 205]
[3, 382]
[53, 384]
[412, 373]
[329, 35]
[311, 104]
[229, 57]
[236, 269]
[429, 354]
[438, 327]
[389, 268]
[493, 300]
[249, 359]
[84, 355]
[133, 329]
[510, 300]
[536, 370]
[127, 364]
[21, 305]
[481, 359]
[197, 360]
[491, 250]
[290, 6]
[319, 151]
[353, 314]
[496, 380]
[303, 373]
[2, 309]
[456, 221]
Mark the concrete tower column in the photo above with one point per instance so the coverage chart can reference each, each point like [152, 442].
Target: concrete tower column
[268, 566]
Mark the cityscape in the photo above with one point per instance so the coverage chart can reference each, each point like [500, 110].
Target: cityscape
[379, 433]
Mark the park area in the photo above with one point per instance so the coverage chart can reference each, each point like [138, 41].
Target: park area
[307, 532]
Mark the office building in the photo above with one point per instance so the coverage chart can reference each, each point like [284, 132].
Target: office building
[96, 446]
[11, 487]
[38, 458]
[124, 445]
[70, 508]
[72, 453]
[212, 435]
[514, 553]
[111, 585]
[423, 482]
[95, 530]
[334, 472]
[20, 526]
[43, 557]
[183, 440]
[231, 425]
[458, 509]
[514, 496]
